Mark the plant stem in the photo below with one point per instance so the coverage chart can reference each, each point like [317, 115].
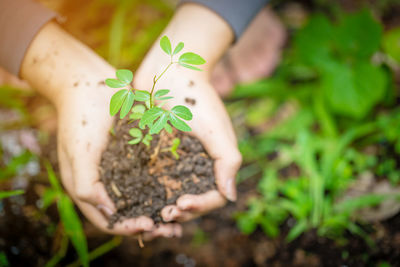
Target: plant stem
[155, 80]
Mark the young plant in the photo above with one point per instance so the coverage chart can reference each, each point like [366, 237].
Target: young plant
[152, 117]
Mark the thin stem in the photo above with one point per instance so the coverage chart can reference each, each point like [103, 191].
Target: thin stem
[155, 80]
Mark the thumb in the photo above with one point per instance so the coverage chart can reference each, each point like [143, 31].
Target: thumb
[226, 168]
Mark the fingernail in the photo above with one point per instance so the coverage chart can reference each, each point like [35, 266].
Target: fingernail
[231, 189]
[106, 211]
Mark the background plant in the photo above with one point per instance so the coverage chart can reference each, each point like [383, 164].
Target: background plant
[330, 100]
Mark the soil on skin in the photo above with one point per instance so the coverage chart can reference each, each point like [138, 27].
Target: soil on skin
[142, 182]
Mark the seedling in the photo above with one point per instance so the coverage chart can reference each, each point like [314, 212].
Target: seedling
[173, 149]
[152, 117]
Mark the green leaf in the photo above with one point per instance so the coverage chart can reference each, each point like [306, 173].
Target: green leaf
[134, 141]
[159, 124]
[391, 43]
[137, 112]
[182, 112]
[139, 109]
[168, 128]
[147, 139]
[135, 132]
[352, 39]
[178, 123]
[178, 48]
[127, 105]
[353, 90]
[113, 83]
[175, 144]
[246, 223]
[52, 177]
[142, 95]
[191, 58]
[314, 40]
[73, 228]
[117, 100]
[190, 67]
[125, 76]
[166, 45]
[160, 93]
[297, 230]
[150, 116]
[6, 194]
[49, 197]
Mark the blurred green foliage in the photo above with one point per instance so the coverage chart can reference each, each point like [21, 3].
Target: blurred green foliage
[328, 102]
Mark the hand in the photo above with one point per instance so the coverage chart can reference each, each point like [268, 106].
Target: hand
[83, 128]
[254, 56]
[210, 124]
[71, 76]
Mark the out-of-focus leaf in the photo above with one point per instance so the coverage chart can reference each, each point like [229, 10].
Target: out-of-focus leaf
[49, 197]
[5, 194]
[353, 39]
[297, 230]
[73, 228]
[391, 43]
[15, 164]
[52, 177]
[353, 90]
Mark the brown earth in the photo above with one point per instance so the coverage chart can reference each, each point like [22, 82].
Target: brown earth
[142, 180]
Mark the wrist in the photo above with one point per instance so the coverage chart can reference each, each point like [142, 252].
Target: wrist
[62, 68]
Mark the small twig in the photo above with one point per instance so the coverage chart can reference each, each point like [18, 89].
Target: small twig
[140, 241]
[153, 156]
[115, 190]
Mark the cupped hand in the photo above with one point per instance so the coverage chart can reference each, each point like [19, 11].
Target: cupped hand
[83, 128]
[210, 124]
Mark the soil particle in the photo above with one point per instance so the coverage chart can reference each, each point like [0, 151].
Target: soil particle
[76, 84]
[139, 185]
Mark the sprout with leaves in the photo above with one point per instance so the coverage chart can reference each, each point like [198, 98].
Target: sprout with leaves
[150, 115]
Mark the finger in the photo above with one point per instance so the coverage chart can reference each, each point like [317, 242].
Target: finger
[173, 213]
[126, 227]
[202, 203]
[164, 230]
[225, 173]
[97, 215]
[170, 213]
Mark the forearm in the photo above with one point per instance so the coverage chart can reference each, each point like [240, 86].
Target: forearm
[58, 66]
[202, 31]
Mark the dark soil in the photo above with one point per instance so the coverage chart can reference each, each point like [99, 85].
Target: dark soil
[142, 180]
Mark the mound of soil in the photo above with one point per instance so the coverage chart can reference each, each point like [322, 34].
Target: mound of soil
[142, 180]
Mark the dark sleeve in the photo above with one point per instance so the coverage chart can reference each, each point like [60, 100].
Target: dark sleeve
[20, 21]
[237, 13]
